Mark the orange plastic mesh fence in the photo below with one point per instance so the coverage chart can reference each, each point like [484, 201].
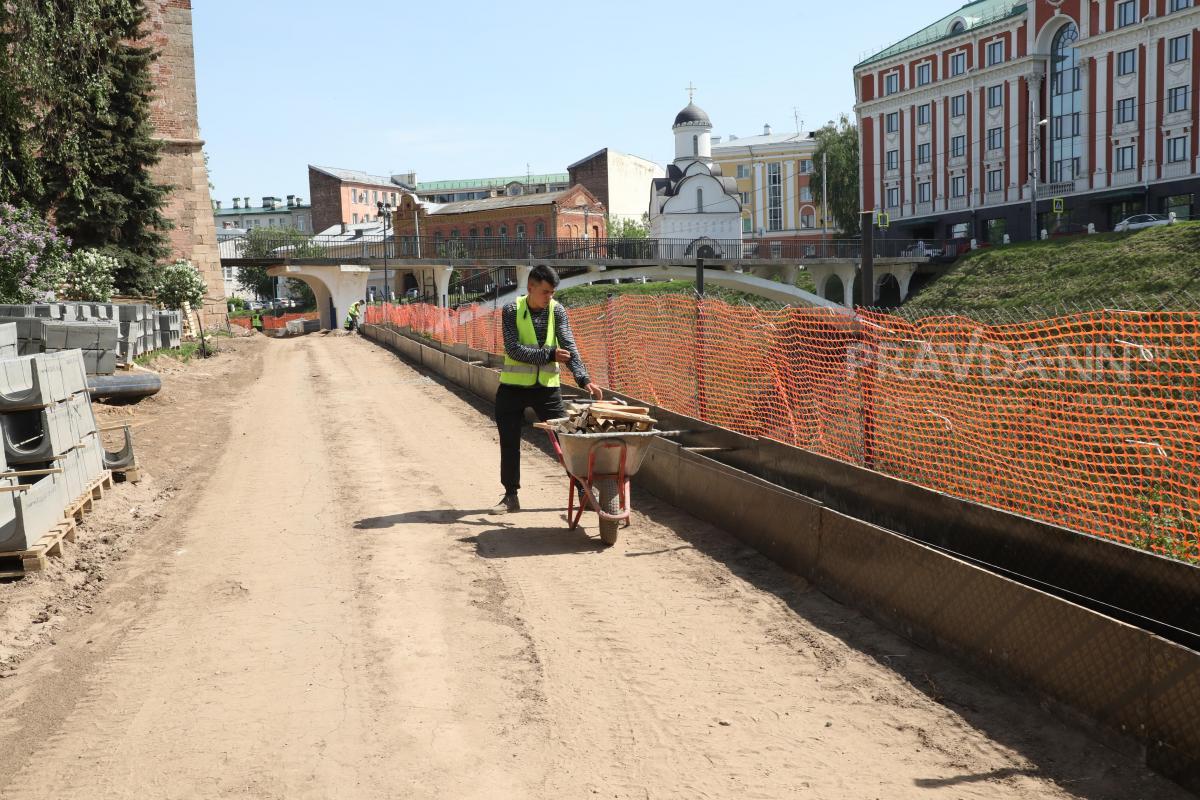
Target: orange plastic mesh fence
[1090, 421]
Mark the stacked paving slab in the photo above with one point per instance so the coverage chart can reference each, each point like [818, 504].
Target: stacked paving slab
[46, 422]
[107, 333]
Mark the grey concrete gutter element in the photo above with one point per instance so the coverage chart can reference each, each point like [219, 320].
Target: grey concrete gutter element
[8, 340]
[35, 512]
[1132, 688]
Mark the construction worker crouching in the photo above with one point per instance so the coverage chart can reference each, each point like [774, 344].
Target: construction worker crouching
[256, 320]
[537, 340]
[352, 316]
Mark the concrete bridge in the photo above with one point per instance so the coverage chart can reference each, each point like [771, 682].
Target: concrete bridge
[346, 267]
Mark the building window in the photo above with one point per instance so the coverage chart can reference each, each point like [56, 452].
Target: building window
[805, 166]
[1177, 99]
[923, 114]
[995, 52]
[1066, 145]
[891, 83]
[743, 171]
[893, 122]
[995, 96]
[1126, 62]
[805, 194]
[540, 229]
[503, 231]
[1126, 110]
[699, 200]
[520, 231]
[1180, 5]
[958, 186]
[958, 63]
[924, 152]
[923, 192]
[893, 160]
[995, 180]
[696, 145]
[1126, 13]
[774, 197]
[808, 221]
[354, 217]
[1125, 158]
[958, 105]
[958, 146]
[893, 197]
[1177, 149]
[924, 73]
[995, 138]
[472, 232]
[744, 197]
[746, 223]
[1180, 48]
[374, 197]
[487, 231]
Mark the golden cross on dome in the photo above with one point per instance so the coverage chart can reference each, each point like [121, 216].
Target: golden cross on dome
[691, 90]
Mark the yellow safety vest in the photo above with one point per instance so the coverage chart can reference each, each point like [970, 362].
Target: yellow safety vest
[518, 373]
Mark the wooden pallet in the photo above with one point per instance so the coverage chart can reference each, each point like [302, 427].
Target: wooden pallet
[34, 559]
[94, 492]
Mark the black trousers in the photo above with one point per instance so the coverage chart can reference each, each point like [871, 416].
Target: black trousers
[511, 402]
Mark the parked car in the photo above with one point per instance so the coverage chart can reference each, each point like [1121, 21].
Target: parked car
[1139, 221]
[254, 305]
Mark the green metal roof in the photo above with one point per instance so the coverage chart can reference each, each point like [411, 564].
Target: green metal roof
[485, 183]
[974, 15]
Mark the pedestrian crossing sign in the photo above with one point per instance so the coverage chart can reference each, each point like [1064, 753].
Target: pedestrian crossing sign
[1058, 205]
[883, 220]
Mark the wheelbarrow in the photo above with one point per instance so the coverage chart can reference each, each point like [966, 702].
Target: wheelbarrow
[599, 466]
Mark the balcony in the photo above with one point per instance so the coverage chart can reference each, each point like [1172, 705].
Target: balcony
[922, 209]
[1060, 189]
[1179, 169]
[1126, 177]
[958, 203]
[993, 198]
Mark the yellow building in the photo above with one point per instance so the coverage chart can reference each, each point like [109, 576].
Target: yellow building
[772, 173]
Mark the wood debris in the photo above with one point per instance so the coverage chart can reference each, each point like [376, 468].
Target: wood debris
[604, 417]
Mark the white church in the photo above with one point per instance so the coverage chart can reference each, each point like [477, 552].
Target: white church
[695, 202]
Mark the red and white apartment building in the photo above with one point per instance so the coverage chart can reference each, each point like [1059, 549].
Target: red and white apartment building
[1090, 101]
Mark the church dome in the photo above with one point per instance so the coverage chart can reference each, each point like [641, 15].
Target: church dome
[692, 115]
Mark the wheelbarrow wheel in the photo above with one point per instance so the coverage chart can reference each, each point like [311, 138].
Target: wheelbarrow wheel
[610, 503]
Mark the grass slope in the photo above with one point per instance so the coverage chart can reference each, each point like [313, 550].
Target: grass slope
[598, 293]
[1154, 265]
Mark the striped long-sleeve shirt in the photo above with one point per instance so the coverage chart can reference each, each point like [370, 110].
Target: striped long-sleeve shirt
[530, 354]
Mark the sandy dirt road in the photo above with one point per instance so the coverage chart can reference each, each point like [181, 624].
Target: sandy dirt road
[329, 614]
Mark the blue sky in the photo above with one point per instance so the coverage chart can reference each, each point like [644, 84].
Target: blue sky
[473, 89]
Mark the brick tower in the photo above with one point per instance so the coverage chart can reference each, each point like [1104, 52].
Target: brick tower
[176, 123]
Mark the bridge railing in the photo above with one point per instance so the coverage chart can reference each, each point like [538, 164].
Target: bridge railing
[290, 246]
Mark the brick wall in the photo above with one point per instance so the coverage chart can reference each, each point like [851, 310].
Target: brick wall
[173, 111]
[594, 176]
[327, 199]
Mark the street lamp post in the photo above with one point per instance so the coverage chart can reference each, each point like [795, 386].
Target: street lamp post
[1034, 165]
[385, 211]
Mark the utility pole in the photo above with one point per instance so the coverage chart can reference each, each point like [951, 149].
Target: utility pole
[825, 193]
[700, 277]
[867, 293]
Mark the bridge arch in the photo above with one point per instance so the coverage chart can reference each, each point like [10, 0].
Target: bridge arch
[336, 286]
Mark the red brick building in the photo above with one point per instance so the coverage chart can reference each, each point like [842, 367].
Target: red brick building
[573, 213]
[1003, 106]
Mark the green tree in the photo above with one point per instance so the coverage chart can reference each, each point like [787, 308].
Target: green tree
[75, 90]
[837, 146]
[627, 228]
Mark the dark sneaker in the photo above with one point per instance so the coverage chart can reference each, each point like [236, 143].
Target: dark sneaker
[508, 504]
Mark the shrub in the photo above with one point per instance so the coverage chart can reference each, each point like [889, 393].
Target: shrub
[177, 283]
[32, 256]
[89, 275]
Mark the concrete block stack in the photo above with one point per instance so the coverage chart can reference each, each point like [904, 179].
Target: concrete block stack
[8, 340]
[170, 329]
[107, 333]
[46, 424]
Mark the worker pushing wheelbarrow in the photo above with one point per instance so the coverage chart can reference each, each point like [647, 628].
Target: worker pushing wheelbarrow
[601, 446]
